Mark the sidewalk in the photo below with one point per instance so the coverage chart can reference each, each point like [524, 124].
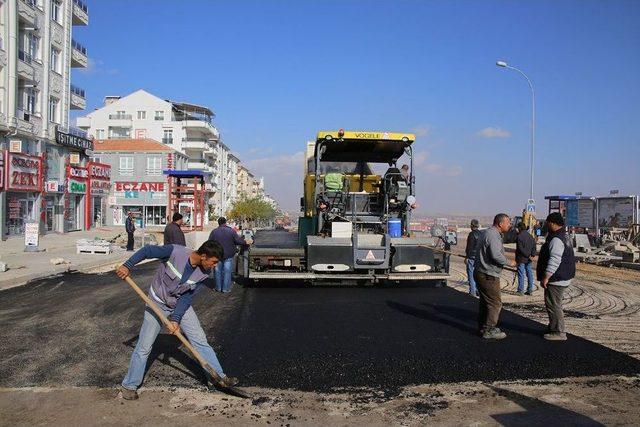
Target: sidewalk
[27, 266]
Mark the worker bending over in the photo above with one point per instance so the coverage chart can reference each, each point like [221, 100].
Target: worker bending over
[177, 279]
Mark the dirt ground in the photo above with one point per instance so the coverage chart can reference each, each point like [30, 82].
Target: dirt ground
[602, 306]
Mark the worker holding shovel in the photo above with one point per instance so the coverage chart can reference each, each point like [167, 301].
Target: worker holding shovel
[177, 279]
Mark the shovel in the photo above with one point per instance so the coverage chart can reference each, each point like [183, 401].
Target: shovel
[201, 360]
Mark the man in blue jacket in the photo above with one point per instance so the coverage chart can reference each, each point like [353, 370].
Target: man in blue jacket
[228, 239]
[178, 277]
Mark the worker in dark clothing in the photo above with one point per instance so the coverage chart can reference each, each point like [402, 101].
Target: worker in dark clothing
[228, 239]
[555, 270]
[470, 253]
[525, 250]
[173, 234]
[130, 228]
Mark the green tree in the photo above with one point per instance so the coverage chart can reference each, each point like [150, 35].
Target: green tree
[249, 211]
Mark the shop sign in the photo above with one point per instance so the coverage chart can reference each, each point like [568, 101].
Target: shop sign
[99, 171]
[99, 186]
[52, 186]
[74, 158]
[78, 172]
[31, 232]
[15, 146]
[1, 170]
[77, 187]
[139, 186]
[23, 172]
[74, 141]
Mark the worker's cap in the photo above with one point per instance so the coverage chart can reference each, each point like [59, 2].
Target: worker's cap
[176, 216]
[475, 223]
[556, 218]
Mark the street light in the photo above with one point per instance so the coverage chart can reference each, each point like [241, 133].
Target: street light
[503, 64]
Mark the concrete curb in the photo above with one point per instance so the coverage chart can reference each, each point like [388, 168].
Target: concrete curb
[86, 268]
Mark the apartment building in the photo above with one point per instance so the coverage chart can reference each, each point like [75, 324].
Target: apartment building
[40, 152]
[181, 126]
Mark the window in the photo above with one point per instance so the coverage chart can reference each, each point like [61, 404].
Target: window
[55, 11]
[99, 133]
[167, 136]
[159, 115]
[119, 132]
[55, 60]
[30, 100]
[126, 165]
[53, 110]
[154, 165]
[31, 46]
[142, 115]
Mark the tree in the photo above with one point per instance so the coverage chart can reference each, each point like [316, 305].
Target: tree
[251, 210]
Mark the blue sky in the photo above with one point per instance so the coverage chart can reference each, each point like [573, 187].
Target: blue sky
[276, 72]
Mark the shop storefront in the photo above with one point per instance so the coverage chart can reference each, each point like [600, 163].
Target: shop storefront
[23, 186]
[147, 201]
[53, 198]
[77, 178]
[98, 192]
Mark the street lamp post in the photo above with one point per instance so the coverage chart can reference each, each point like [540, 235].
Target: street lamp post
[533, 119]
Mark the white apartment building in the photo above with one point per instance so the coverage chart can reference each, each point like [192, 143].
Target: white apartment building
[37, 146]
[185, 127]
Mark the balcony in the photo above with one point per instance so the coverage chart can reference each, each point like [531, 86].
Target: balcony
[201, 125]
[83, 122]
[78, 99]
[80, 13]
[195, 144]
[27, 10]
[79, 57]
[120, 116]
[211, 153]
[198, 164]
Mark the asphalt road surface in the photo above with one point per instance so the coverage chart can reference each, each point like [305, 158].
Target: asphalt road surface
[80, 329]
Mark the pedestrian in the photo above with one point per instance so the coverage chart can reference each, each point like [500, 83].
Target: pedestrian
[555, 270]
[130, 228]
[173, 234]
[525, 250]
[228, 239]
[470, 253]
[178, 277]
[490, 259]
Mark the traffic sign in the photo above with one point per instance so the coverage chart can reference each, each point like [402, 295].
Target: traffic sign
[531, 206]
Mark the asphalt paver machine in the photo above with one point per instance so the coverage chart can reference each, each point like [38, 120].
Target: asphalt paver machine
[355, 222]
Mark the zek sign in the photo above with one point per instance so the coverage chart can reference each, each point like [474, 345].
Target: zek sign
[24, 172]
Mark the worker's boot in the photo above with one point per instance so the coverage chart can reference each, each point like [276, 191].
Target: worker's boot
[494, 334]
[128, 394]
[555, 336]
[229, 381]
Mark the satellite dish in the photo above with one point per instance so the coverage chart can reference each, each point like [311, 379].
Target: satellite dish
[411, 200]
[438, 231]
[88, 152]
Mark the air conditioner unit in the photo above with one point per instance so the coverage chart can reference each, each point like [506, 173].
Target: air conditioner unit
[15, 146]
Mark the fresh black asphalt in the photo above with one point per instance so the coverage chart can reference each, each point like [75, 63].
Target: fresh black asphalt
[79, 329]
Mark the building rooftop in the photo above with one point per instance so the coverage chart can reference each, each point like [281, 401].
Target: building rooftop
[134, 145]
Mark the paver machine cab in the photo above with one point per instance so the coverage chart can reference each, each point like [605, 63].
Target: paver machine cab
[354, 223]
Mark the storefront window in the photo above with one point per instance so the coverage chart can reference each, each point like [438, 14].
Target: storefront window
[155, 215]
[20, 209]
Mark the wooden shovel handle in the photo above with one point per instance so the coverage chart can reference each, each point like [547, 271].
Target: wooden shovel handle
[181, 337]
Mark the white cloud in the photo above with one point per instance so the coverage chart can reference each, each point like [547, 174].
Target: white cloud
[493, 132]
[282, 177]
[422, 130]
[421, 164]
[97, 66]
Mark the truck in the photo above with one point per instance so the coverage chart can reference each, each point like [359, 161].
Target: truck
[355, 218]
